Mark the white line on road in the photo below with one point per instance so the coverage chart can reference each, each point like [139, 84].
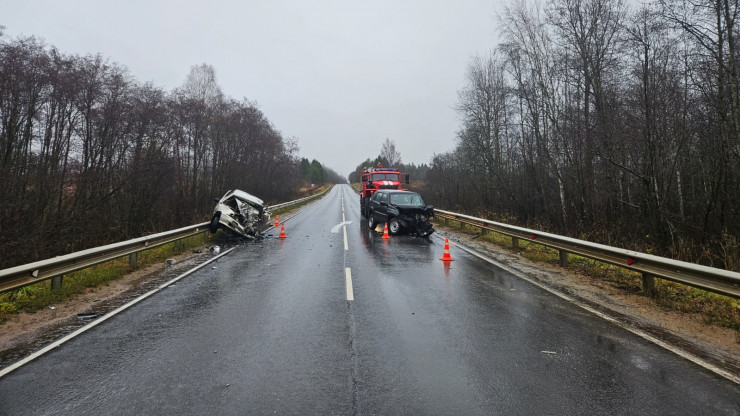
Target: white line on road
[676, 350]
[347, 270]
[348, 278]
[105, 317]
[346, 244]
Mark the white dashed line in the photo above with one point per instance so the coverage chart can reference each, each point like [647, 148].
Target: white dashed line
[348, 278]
[346, 244]
[347, 270]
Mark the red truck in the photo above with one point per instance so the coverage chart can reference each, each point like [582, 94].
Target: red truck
[373, 179]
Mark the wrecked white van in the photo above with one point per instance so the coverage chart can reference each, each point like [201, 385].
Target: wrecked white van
[239, 212]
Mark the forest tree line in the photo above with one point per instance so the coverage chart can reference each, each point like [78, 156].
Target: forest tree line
[607, 123]
[90, 156]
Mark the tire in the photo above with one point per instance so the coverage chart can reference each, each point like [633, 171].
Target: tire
[370, 221]
[394, 227]
[213, 227]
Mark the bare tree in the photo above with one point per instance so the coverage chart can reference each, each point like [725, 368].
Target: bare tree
[712, 26]
[389, 153]
[91, 156]
[198, 100]
[589, 31]
[539, 79]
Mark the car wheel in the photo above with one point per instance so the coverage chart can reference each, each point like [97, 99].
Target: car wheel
[213, 227]
[370, 220]
[394, 227]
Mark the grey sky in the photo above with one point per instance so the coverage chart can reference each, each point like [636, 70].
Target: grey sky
[339, 76]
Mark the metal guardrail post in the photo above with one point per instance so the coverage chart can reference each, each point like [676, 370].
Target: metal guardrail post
[563, 258]
[648, 284]
[515, 242]
[56, 283]
[132, 258]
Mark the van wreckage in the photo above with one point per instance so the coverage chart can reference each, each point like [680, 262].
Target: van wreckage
[240, 213]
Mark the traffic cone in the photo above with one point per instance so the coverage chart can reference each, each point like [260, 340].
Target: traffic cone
[277, 222]
[282, 232]
[385, 232]
[446, 256]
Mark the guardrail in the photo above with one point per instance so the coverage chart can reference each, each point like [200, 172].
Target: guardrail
[55, 268]
[708, 278]
[298, 201]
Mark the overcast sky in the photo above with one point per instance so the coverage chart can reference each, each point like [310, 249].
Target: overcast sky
[339, 76]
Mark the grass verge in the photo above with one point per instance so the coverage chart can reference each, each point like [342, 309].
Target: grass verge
[715, 309]
[38, 296]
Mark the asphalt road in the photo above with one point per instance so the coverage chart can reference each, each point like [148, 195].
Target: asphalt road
[269, 329]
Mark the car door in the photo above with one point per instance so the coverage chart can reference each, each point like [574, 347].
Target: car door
[380, 210]
[372, 206]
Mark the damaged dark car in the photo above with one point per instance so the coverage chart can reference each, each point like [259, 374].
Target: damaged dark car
[404, 211]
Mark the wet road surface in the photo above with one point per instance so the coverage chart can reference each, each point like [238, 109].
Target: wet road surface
[269, 328]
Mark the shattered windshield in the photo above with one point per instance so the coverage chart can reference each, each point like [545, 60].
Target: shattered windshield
[407, 199]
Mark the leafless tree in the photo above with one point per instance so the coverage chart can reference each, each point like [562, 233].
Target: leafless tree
[618, 126]
[90, 156]
[389, 154]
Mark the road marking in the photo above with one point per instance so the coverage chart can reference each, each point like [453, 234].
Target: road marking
[348, 278]
[105, 317]
[640, 333]
[346, 244]
[347, 270]
[335, 229]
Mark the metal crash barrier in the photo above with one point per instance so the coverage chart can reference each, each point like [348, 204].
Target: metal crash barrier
[708, 278]
[54, 268]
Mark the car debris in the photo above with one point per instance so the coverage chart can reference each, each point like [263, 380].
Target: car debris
[240, 213]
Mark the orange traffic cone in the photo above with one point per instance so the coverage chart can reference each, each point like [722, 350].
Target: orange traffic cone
[446, 256]
[385, 232]
[282, 232]
[277, 222]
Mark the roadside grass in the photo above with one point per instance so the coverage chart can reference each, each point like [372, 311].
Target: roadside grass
[715, 309]
[38, 296]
